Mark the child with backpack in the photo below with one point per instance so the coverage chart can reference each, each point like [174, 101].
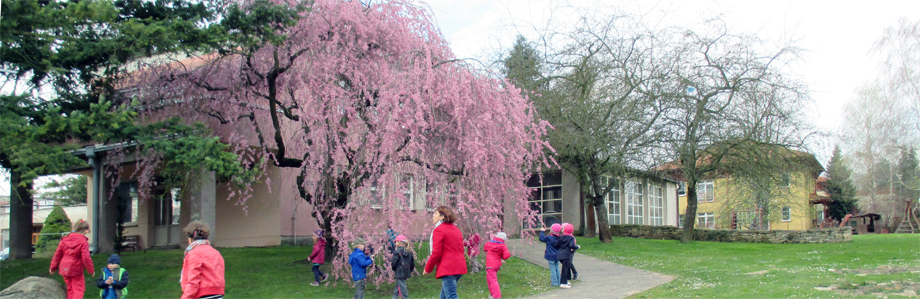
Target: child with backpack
[318, 257]
[496, 254]
[114, 280]
[566, 247]
[403, 263]
[549, 237]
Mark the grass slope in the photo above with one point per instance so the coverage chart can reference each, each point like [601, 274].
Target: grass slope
[277, 273]
[871, 266]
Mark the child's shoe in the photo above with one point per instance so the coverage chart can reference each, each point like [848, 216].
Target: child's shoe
[565, 286]
[315, 284]
[325, 278]
[576, 277]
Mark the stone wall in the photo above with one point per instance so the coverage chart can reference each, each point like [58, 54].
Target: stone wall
[824, 235]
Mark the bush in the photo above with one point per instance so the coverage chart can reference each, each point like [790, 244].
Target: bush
[56, 224]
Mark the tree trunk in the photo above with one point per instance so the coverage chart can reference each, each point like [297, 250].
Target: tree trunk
[590, 223]
[603, 226]
[690, 216]
[20, 217]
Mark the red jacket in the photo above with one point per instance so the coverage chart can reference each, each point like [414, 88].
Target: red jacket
[202, 272]
[446, 251]
[496, 251]
[72, 256]
[319, 252]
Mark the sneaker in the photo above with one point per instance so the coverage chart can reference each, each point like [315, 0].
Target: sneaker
[565, 286]
[325, 278]
[315, 284]
[576, 277]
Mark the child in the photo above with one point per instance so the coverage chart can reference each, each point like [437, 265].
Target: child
[549, 237]
[496, 253]
[566, 247]
[403, 264]
[318, 257]
[114, 281]
[359, 261]
[72, 257]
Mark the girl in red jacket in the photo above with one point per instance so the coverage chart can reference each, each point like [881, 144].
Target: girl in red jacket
[203, 266]
[496, 254]
[318, 257]
[71, 258]
[446, 252]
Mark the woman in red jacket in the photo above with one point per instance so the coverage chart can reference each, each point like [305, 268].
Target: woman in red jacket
[203, 267]
[446, 252]
[71, 258]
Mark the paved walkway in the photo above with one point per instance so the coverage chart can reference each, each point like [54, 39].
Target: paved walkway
[596, 278]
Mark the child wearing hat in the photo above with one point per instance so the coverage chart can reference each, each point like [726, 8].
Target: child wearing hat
[403, 263]
[549, 237]
[318, 257]
[114, 281]
[496, 253]
[359, 261]
[565, 251]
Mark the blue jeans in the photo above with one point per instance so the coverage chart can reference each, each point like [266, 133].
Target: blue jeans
[449, 286]
[554, 273]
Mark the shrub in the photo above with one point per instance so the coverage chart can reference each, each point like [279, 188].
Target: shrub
[56, 224]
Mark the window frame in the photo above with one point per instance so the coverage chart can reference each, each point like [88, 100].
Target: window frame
[613, 201]
[634, 202]
[786, 214]
[707, 220]
[542, 200]
[708, 191]
[656, 205]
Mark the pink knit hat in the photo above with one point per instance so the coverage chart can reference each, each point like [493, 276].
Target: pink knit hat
[568, 228]
[401, 238]
[556, 228]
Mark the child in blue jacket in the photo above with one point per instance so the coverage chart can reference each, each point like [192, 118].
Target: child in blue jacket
[549, 237]
[359, 261]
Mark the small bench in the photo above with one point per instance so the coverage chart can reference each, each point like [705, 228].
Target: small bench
[130, 242]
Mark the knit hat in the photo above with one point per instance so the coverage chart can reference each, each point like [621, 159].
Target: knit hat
[319, 233]
[568, 228]
[401, 238]
[556, 228]
[114, 259]
[502, 235]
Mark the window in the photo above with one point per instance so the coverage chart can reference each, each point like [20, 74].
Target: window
[377, 194]
[375, 198]
[787, 214]
[785, 180]
[634, 202]
[408, 185]
[745, 220]
[128, 202]
[704, 191]
[707, 220]
[546, 196]
[612, 200]
[438, 196]
[168, 207]
[656, 206]
[681, 188]
[680, 220]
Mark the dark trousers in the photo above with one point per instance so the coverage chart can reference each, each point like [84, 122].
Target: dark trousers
[402, 289]
[566, 270]
[317, 274]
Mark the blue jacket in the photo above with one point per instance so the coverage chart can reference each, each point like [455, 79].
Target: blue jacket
[566, 247]
[550, 240]
[359, 263]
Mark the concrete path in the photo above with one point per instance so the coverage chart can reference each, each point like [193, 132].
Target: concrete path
[596, 278]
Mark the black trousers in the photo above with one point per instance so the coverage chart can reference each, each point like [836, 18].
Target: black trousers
[566, 270]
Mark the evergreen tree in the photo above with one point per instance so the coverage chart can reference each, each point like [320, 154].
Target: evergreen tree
[909, 175]
[840, 187]
[56, 224]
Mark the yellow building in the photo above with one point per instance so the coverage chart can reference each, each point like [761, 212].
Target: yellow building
[727, 202]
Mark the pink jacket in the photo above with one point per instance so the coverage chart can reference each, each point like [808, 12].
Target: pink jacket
[72, 256]
[496, 251]
[319, 252]
[202, 273]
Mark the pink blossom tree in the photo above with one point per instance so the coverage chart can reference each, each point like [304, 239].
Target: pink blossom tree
[360, 98]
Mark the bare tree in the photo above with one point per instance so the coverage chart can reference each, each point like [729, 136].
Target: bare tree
[728, 98]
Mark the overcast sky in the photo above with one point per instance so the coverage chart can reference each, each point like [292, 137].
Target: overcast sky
[837, 35]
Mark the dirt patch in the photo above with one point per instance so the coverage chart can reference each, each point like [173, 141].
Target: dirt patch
[906, 288]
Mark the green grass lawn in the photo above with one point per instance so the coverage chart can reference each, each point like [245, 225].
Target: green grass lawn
[871, 266]
[276, 273]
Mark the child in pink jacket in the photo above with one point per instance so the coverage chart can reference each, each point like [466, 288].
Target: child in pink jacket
[496, 253]
[71, 258]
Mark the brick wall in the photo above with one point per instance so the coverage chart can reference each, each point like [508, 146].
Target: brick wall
[824, 235]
